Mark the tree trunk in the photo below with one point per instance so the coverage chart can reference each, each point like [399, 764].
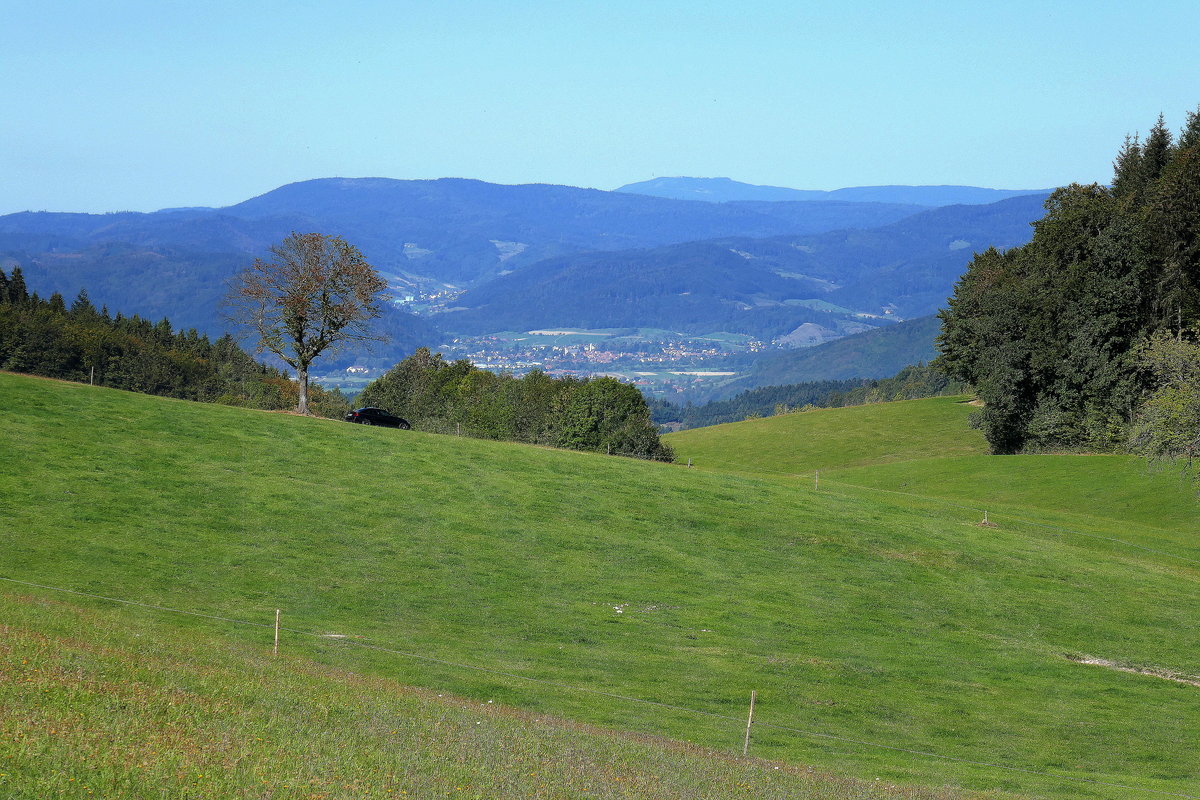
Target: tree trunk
[302, 380]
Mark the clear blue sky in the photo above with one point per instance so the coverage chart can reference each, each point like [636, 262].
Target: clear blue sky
[142, 105]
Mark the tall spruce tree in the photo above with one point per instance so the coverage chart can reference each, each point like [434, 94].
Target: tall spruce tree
[1173, 218]
[1156, 153]
[17, 291]
[1190, 135]
[1128, 175]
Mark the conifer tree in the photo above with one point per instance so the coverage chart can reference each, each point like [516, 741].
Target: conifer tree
[1127, 169]
[1157, 151]
[1189, 137]
[1174, 216]
[82, 307]
[17, 293]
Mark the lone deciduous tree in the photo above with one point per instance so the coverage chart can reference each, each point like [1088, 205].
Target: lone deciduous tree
[315, 293]
[1167, 427]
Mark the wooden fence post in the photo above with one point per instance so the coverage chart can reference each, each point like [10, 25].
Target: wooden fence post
[749, 721]
[275, 651]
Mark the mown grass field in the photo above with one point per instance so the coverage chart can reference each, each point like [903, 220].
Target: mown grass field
[94, 704]
[921, 452]
[855, 613]
[830, 438]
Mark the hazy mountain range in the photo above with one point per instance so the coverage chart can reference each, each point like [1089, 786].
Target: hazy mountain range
[725, 190]
[532, 256]
[764, 286]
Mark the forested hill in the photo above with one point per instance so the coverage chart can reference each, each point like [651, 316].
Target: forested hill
[464, 231]
[83, 343]
[423, 235]
[538, 256]
[451, 230]
[760, 286]
[876, 353]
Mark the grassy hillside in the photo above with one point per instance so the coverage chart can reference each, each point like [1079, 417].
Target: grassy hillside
[925, 449]
[827, 438]
[896, 623]
[96, 704]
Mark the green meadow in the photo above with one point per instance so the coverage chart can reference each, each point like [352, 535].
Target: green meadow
[922, 453]
[96, 704]
[892, 641]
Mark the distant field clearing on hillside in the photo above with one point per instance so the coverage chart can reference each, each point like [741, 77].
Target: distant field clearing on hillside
[827, 438]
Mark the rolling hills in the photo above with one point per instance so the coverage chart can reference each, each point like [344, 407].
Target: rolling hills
[422, 234]
[724, 190]
[536, 256]
[764, 286]
[876, 353]
[922, 453]
[881, 618]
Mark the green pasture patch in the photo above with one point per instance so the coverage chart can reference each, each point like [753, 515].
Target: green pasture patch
[1121, 489]
[851, 615]
[96, 704]
[829, 438]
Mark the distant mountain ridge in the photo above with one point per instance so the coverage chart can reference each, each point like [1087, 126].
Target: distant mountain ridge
[536, 255]
[840, 281]
[726, 190]
[421, 234]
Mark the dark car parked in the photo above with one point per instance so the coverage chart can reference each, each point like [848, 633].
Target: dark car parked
[377, 416]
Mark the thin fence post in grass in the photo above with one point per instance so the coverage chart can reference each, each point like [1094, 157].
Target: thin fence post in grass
[92, 377]
[458, 429]
[275, 651]
[749, 722]
[689, 463]
[817, 481]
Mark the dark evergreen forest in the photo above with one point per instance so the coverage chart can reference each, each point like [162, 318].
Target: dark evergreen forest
[82, 343]
[1057, 336]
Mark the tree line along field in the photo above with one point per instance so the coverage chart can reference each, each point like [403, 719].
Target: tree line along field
[874, 616]
[82, 343]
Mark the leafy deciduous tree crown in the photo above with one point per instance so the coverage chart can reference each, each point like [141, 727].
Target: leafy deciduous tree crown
[314, 293]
